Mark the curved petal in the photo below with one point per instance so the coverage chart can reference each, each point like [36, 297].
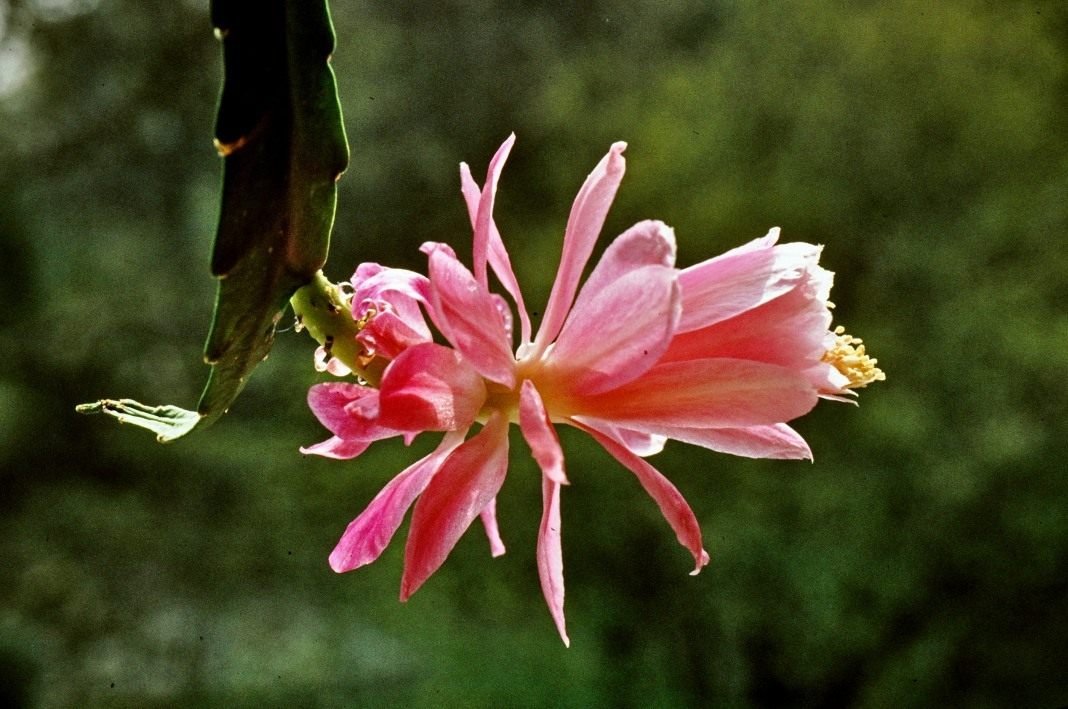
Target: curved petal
[349, 411]
[550, 555]
[493, 532]
[498, 255]
[467, 314]
[618, 332]
[430, 387]
[337, 448]
[776, 441]
[647, 243]
[464, 485]
[740, 280]
[668, 498]
[583, 227]
[539, 433]
[704, 393]
[485, 210]
[640, 443]
[369, 534]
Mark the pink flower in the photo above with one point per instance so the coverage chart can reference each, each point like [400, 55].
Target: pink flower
[720, 354]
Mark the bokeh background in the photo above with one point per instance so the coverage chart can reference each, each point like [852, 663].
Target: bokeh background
[922, 560]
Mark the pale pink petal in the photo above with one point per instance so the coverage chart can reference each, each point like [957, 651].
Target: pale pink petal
[583, 227]
[647, 243]
[539, 433]
[639, 443]
[550, 556]
[324, 362]
[493, 532]
[498, 256]
[370, 533]
[789, 330]
[668, 498]
[468, 317]
[337, 448]
[485, 210]
[464, 485]
[776, 441]
[705, 393]
[740, 280]
[430, 387]
[618, 333]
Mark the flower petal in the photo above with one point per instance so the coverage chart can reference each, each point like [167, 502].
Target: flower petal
[337, 448]
[349, 411]
[550, 555]
[539, 433]
[704, 393]
[583, 227]
[625, 316]
[468, 316]
[742, 279]
[464, 485]
[430, 387]
[485, 210]
[493, 532]
[776, 441]
[639, 443]
[370, 533]
[671, 502]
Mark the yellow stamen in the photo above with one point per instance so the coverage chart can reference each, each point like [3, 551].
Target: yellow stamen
[849, 358]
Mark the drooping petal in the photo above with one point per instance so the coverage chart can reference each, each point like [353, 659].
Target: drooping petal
[539, 433]
[583, 227]
[705, 393]
[668, 498]
[493, 532]
[369, 534]
[337, 448]
[550, 556]
[625, 316]
[468, 316]
[430, 387]
[464, 485]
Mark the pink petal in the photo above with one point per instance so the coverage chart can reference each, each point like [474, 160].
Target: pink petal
[430, 387]
[776, 441]
[467, 315]
[639, 443]
[742, 279]
[337, 448]
[539, 433]
[369, 534]
[704, 393]
[672, 505]
[464, 485]
[493, 532]
[350, 411]
[485, 210]
[550, 556]
[498, 255]
[583, 226]
[625, 315]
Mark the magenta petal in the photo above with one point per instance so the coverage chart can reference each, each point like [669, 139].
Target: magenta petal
[468, 316]
[550, 555]
[493, 532]
[616, 334]
[370, 533]
[485, 210]
[539, 433]
[673, 506]
[430, 387]
[705, 393]
[465, 484]
[583, 227]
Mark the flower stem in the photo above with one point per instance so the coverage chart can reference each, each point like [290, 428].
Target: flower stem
[323, 309]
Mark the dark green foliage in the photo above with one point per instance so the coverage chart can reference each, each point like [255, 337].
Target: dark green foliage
[920, 561]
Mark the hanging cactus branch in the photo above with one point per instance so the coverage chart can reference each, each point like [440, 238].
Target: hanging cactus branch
[280, 133]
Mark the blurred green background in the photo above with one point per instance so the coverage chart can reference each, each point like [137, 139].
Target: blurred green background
[921, 561]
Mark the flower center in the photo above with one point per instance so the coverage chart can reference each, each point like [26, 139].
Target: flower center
[848, 357]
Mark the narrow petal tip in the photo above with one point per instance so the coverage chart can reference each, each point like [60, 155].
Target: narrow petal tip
[701, 563]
